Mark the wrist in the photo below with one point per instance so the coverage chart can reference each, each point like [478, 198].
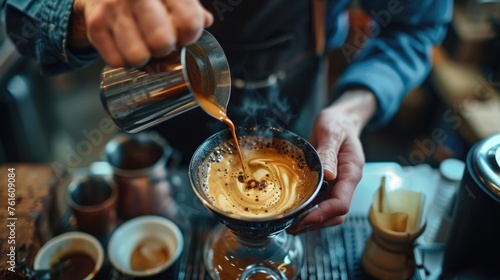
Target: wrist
[357, 104]
[77, 32]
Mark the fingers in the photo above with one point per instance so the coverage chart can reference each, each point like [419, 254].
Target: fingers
[328, 153]
[155, 24]
[129, 33]
[209, 19]
[330, 211]
[100, 35]
[328, 139]
[335, 202]
[136, 51]
[302, 228]
[342, 152]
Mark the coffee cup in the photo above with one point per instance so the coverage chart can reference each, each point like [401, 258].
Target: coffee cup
[253, 211]
[72, 255]
[92, 199]
[145, 246]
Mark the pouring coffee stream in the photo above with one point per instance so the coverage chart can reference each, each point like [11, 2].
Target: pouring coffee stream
[220, 114]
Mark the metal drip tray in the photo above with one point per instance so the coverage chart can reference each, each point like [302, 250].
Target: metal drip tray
[331, 253]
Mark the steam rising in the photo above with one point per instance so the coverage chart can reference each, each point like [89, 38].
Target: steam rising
[260, 106]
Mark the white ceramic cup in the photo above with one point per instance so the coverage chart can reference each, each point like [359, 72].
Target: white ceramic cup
[65, 243]
[129, 235]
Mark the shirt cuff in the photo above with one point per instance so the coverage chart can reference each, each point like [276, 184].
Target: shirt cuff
[54, 26]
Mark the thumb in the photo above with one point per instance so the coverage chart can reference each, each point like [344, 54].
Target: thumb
[328, 150]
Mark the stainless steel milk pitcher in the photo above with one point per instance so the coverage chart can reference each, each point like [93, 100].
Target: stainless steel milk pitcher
[138, 98]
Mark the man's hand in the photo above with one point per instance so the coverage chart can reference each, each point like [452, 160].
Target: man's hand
[130, 32]
[336, 137]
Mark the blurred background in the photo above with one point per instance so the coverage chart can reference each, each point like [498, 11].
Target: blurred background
[61, 120]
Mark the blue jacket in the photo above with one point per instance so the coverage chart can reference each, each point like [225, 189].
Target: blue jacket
[394, 60]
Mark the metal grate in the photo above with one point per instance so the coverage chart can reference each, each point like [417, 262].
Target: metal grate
[325, 256]
[332, 253]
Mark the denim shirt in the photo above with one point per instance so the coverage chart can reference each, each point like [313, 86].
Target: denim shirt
[39, 28]
[395, 59]
[398, 57]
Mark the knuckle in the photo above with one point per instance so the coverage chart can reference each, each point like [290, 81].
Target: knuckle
[159, 39]
[190, 28]
[109, 3]
[135, 61]
[354, 166]
[342, 209]
[95, 21]
[136, 55]
[191, 24]
[340, 220]
[355, 169]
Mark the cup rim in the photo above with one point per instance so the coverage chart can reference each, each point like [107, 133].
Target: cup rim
[138, 222]
[303, 206]
[73, 235]
[90, 208]
[121, 138]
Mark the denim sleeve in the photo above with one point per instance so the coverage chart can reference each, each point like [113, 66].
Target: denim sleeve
[39, 28]
[397, 57]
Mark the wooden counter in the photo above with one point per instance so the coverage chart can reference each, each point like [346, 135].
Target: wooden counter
[35, 215]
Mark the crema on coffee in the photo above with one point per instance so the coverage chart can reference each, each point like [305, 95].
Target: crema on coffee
[276, 178]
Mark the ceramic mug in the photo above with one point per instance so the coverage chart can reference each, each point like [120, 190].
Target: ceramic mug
[145, 246]
[82, 247]
[92, 198]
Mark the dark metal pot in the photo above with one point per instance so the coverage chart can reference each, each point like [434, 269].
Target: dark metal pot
[254, 228]
[473, 247]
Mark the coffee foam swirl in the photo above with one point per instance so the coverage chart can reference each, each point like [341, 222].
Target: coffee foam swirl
[278, 179]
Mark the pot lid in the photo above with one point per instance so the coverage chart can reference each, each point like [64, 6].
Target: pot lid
[486, 162]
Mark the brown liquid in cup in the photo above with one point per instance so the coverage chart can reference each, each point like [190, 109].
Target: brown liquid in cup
[281, 179]
[75, 266]
[149, 253]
